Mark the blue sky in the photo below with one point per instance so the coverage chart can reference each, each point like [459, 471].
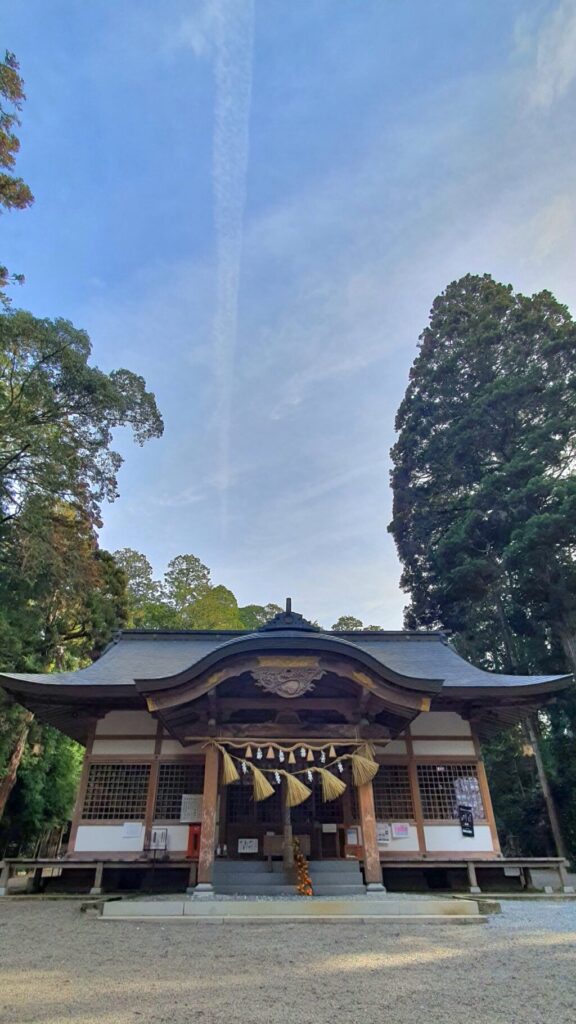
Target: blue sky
[253, 203]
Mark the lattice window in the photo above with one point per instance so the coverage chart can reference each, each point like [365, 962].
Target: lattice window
[116, 792]
[444, 786]
[173, 781]
[240, 802]
[392, 794]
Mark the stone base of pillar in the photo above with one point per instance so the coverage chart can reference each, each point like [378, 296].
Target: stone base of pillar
[474, 889]
[96, 890]
[202, 891]
[375, 888]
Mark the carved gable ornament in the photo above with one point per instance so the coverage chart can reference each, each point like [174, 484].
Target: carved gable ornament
[288, 679]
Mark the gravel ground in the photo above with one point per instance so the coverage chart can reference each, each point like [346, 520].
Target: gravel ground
[58, 965]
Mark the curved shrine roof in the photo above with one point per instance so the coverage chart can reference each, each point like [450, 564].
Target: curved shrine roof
[420, 657]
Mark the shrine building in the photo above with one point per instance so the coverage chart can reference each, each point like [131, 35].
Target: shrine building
[209, 752]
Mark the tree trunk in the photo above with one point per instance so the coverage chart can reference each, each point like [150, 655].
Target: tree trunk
[568, 641]
[533, 735]
[8, 780]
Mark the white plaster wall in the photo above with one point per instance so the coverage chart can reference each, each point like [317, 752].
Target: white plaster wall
[118, 723]
[394, 747]
[106, 839]
[102, 746]
[173, 747]
[177, 837]
[449, 839]
[440, 723]
[401, 845]
[451, 748]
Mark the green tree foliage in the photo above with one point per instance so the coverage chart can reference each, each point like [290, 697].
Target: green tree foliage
[484, 483]
[186, 580]
[57, 414]
[346, 623]
[61, 598]
[253, 616]
[215, 609]
[14, 193]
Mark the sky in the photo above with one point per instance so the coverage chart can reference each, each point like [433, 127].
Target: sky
[253, 204]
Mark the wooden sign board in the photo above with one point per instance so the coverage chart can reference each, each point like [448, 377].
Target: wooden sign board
[191, 808]
[247, 846]
[383, 834]
[400, 830]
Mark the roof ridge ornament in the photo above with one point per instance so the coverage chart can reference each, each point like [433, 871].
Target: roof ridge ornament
[289, 620]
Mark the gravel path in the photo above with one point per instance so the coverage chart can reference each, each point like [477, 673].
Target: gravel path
[59, 965]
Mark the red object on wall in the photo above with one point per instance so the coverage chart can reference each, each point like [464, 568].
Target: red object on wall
[193, 849]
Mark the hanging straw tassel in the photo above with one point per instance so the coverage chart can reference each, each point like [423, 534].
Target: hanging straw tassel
[332, 753]
[229, 770]
[310, 755]
[296, 791]
[332, 787]
[262, 788]
[366, 750]
[248, 752]
[270, 754]
[363, 770]
[291, 757]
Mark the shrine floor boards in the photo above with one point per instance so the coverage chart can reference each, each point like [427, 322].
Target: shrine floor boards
[59, 965]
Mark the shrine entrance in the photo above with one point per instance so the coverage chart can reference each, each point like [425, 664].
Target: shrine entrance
[322, 827]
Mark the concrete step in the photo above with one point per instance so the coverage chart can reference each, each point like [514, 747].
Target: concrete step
[342, 866]
[333, 878]
[238, 868]
[360, 909]
[272, 881]
[255, 890]
[320, 889]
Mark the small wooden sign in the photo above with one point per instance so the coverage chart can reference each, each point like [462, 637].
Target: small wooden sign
[400, 830]
[466, 818]
[247, 846]
[383, 834]
[191, 808]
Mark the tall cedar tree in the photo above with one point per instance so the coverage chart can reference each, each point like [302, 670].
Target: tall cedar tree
[484, 484]
[14, 192]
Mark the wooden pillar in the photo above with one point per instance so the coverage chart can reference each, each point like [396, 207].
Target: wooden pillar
[96, 889]
[472, 879]
[415, 792]
[372, 869]
[4, 878]
[80, 796]
[287, 846]
[209, 811]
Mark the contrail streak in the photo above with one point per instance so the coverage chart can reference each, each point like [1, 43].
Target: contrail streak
[234, 28]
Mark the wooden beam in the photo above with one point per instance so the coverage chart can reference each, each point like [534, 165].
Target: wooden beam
[303, 731]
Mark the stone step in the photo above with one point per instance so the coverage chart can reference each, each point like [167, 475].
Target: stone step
[255, 890]
[334, 878]
[246, 869]
[262, 878]
[320, 889]
[341, 866]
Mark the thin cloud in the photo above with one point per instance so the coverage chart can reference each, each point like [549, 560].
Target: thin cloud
[234, 35]
[555, 56]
